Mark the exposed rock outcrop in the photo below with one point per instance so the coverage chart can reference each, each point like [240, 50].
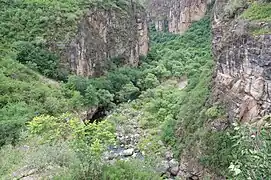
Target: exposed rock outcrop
[104, 34]
[242, 79]
[176, 15]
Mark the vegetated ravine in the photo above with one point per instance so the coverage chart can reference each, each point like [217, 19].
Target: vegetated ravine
[156, 119]
[158, 98]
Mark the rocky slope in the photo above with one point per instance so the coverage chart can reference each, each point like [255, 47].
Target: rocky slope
[176, 15]
[242, 77]
[104, 34]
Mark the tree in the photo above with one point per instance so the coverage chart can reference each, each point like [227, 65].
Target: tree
[91, 96]
[151, 81]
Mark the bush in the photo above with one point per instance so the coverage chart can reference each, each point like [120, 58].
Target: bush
[133, 169]
[39, 59]
[214, 112]
[218, 152]
[23, 95]
[151, 81]
[128, 92]
[258, 12]
[251, 152]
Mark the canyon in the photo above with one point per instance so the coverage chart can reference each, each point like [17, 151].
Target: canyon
[158, 89]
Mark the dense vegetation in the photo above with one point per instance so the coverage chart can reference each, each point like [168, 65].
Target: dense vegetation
[41, 126]
[25, 94]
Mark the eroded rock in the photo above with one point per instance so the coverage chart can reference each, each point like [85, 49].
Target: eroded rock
[243, 62]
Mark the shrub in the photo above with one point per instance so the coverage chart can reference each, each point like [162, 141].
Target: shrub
[258, 12]
[218, 152]
[133, 169]
[151, 81]
[251, 152]
[92, 138]
[128, 92]
[39, 59]
[214, 112]
[91, 96]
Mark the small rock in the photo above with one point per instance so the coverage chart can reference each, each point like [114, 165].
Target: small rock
[173, 163]
[195, 177]
[128, 152]
[163, 167]
[169, 155]
[167, 174]
[110, 155]
[174, 170]
[134, 155]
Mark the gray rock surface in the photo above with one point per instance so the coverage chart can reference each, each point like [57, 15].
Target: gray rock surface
[163, 167]
[176, 15]
[104, 34]
[128, 152]
[242, 78]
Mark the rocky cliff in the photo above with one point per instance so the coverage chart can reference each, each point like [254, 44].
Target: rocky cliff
[104, 34]
[242, 79]
[176, 15]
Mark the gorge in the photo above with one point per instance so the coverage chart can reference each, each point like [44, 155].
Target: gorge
[126, 89]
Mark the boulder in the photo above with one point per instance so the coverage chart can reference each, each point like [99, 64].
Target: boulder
[173, 163]
[163, 167]
[169, 155]
[128, 152]
[174, 171]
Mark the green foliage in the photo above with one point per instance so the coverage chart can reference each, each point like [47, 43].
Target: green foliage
[38, 59]
[77, 83]
[260, 31]
[105, 97]
[258, 12]
[38, 29]
[9, 158]
[251, 152]
[129, 91]
[151, 81]
[241, 152]
[91, 96]
[188, 56]
[39, 21]
[89, 139]
[214, 112]
[23, 95]
[133, 169]
[217, 152]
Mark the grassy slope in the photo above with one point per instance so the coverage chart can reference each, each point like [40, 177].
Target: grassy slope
[23, 95]
[44, 21]
[39, 24]
[258, 12]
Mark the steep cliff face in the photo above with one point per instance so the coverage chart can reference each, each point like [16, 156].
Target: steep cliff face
[104, 34]
[242, 79]
[183, 13]
[176, 16]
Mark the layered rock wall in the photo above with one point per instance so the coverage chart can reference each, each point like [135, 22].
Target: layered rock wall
[176, 16]
[183, 12]
[242, 80]
[104, 34]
